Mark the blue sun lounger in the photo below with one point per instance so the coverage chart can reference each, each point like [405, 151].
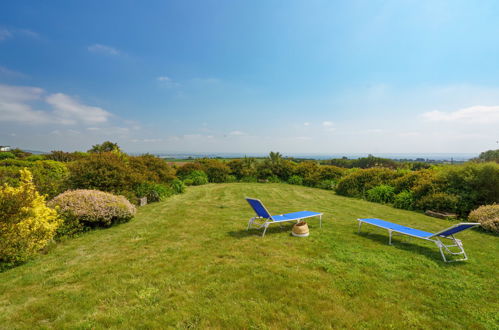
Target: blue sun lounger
[447, 233]
[262, 213]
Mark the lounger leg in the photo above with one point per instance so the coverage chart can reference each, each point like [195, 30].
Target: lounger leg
[360, 225]
[250, 222]
[440, 246]
[265, 229]
[390, 239]
[320, 221]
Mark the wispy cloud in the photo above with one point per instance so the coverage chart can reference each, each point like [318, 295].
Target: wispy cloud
[306, 124]
[237, 133]
[5, 34]
[16, 105]
[69, 111]
[475, 115]
[103, 49]
[327, 123]
[5, 72]
[167, 82]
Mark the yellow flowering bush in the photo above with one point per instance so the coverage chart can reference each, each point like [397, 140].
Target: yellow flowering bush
[26, 223]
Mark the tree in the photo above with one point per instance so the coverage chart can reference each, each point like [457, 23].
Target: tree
[489, 156]
[275, 158]
[106, 146]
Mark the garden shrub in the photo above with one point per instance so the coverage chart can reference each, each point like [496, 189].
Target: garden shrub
[381, 194]
[7, 155]
[26, 223]
[274, 179]
[65, 157]
[152, 168]
[404, 200]
[295, 179]
[104, 171]
[35, 158]
[49, 176]
[356, 183]
[177, 186]
[327, 184]
[83, 208]
[154, 192]
[216, 170]
[241, 168]
[196, 178]
[249, 179]
[487, 216]
[330, 172]
[310, 173]
[438, 202]
[186, 169]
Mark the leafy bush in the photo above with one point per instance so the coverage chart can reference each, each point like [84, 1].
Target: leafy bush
[91, 208]
[7, 155]
[216, 170]
[381, 194]
[241, 168]
[106, 146]
[104, 171]
[249, 179]
[152, 168]
[438, 202]
[327, 184]
[274, 179]
[310, 173]
[329, 172]
[357, 183]
[186, 169]
[26, 223]
[154, 192]
[177, 186]
[61, 156]
[196, 178]
[295, 179]
[404, 200]
[35, 158]
[487, 216]
[49, 176]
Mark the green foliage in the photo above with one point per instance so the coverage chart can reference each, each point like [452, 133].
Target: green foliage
[177, 186]
[7, 155]
[365, 162]
[196, 178]
[26, 223]
[152, 168]
[82, 209]
[381, 194]
[273, 179]
[475, 184]
[20, 154]
[35, 158]
[327, 184]
[330, 172]
[489, 156]
[356, 183]
[487, 216]
[439, 201]
[404, 200]
[104, 171]
[65, 157]
[310, 172]
[296, 179]
[49, 176]
[241, 168]
[106, 146]
[249, 179]
[154, 192]
[216, 170]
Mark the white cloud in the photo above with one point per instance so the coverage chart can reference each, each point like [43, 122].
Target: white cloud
[237, 133]
[306, 124]
[375, 130]
[327, 123]
[69, 111]
[14, 32]
[477, 114]
[167, 82]
[16, 106]
[103, 49]
[10, 73]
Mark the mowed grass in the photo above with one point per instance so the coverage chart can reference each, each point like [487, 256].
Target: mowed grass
[189, 262]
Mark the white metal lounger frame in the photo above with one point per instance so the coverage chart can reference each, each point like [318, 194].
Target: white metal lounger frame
[265, 225]
[436, 239]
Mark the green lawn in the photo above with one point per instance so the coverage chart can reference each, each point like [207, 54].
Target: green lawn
[189, 262]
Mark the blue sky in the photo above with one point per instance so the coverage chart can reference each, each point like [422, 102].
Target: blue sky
[250, 76]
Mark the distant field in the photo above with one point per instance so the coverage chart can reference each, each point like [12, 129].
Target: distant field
[189, 262]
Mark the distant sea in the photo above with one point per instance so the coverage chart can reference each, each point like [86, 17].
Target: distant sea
[413, 156]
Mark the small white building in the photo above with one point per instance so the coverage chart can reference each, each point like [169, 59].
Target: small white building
[4, 148]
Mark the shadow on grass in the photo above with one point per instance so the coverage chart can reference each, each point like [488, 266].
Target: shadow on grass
[258, 232]
[404, 243]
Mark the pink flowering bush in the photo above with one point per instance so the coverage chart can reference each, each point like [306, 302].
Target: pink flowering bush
[84, 209]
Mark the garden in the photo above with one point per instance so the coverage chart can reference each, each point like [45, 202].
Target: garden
[72, 234]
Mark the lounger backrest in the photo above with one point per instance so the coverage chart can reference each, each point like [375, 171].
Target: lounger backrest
[260, 210]
[456, 228]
